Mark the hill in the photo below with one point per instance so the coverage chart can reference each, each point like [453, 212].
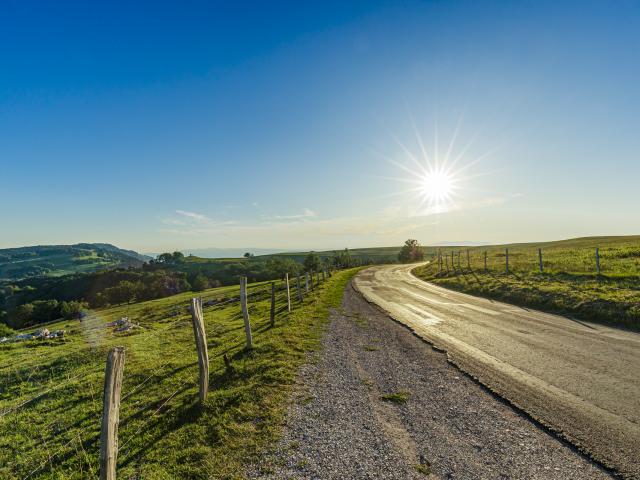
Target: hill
[57, 260]
[51, 396]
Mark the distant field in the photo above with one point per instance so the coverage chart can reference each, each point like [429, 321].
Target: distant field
[568, 284]
[374, 254]
[163, 432]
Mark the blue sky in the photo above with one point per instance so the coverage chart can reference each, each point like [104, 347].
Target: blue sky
[161, 126]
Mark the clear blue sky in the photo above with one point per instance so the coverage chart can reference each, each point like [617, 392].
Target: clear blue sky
[183, 125]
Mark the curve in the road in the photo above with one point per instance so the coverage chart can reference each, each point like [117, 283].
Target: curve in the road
[581, 380]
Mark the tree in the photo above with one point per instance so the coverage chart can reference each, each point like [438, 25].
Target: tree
[21, 316]
[312, 262]
[45, 310]
[123, 292]
[200, 282]
[411, 251]
[72, 309]
[165, 258]
[248, 255]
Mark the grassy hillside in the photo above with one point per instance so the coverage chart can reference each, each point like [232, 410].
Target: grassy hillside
[164, 434]
[568, 284]
[57, 260]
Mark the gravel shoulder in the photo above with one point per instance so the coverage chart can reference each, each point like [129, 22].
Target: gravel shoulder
[438, 423]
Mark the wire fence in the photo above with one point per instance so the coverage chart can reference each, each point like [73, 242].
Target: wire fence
[178, 370]
[593, 260]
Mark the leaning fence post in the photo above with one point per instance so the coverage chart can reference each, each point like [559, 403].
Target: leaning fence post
[506, 259]
[597, 261]
[245, 311]
[298, 288]
[485, 260]
[468, 261]
[306, 282]
[111, 414]
[540, 259]
[272, 316]
[201, 344]
[286, 282]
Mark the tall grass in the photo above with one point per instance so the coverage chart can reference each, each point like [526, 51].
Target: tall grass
[569, 283]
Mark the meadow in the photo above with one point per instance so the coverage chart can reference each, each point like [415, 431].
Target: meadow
[569, 283]
[51, 391]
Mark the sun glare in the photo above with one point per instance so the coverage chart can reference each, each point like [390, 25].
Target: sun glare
[436, 178]
[437, 186]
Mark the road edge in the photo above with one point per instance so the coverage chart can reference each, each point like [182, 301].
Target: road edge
[559, 435]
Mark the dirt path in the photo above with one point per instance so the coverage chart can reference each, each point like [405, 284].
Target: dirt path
[579, 379]
[339, 427]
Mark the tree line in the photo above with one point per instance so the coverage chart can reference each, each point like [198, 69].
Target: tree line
[42, 299]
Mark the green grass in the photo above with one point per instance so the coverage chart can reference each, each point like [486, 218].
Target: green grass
[396, 397]
[373, 254]
[164, 433]
[568, 284]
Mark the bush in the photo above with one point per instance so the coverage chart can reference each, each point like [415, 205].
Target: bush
[6, 331]
[72, 309]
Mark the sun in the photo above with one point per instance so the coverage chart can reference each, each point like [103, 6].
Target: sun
[437, 186]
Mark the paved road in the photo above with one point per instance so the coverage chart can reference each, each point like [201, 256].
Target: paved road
[580, 379]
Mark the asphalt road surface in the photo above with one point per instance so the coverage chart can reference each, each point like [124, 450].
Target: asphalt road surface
[579, 379]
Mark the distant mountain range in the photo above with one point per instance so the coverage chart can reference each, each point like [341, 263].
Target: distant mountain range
[55, 260]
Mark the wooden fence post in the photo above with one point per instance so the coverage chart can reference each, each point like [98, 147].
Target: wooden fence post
[485, 260]
[111, 413]
[506, 259]
[540, 260]
[446, 262]
[323, 277]
[298, 288]
[468, 261]
[597, 261]
[459, 266]
[245, 311]
[453, 265]
[286, 283]
[272, 315]
[201, 344]
[306, 282]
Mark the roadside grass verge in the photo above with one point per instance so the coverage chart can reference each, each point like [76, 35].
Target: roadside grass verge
[612, 299]
[163, 433]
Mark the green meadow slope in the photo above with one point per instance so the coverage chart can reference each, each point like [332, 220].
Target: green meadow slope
[57, 260]
[51, 391]
[568, 285]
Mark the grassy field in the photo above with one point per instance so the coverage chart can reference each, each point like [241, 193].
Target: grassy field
[373, 254]
[164, 433]
[568, 284]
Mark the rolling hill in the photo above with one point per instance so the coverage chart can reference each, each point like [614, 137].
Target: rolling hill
[56, 260]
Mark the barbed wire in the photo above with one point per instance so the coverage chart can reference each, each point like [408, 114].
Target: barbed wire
[48, 390]
[146, 422]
